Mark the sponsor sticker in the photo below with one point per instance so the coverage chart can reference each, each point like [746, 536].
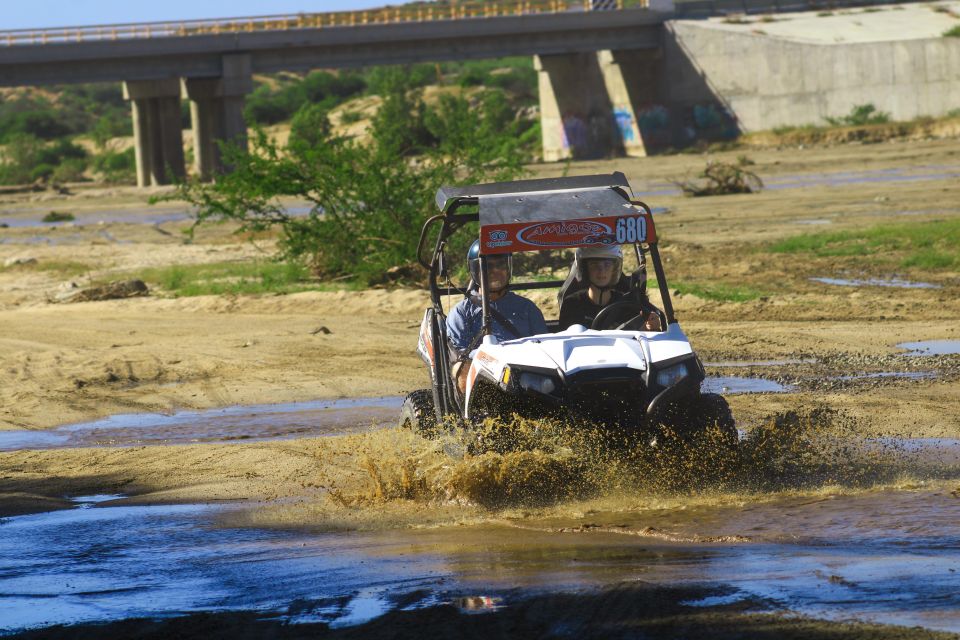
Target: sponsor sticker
[566, 232]
[498, 238]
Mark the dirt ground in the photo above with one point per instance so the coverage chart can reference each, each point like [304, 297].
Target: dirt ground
[67, 363]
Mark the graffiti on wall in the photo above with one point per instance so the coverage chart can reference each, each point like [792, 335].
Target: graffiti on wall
[624, 119]
[589, 135]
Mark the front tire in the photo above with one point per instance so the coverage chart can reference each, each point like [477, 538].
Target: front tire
[418, 414]
[707, 416]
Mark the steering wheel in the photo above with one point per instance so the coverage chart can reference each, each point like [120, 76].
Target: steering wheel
[618, 315]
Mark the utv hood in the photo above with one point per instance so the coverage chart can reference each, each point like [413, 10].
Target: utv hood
[578, 349]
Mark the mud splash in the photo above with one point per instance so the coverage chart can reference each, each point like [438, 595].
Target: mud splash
[401, 479]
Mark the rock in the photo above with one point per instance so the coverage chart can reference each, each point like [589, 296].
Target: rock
[19, 260]
[322, 330]
[109, 291]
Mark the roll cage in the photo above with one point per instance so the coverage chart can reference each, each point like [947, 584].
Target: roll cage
[530, 215]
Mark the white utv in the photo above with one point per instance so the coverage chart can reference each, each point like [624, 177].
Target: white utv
[613, 373]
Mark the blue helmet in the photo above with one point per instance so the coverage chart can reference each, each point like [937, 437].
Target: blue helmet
[473, 259]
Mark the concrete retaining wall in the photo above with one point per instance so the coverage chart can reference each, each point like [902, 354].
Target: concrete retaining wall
[767, 82]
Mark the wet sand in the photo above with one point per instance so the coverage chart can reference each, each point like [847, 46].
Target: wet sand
[834, 352]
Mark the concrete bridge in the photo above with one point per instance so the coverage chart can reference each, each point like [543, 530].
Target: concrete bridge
[602, 64]
[211, 62]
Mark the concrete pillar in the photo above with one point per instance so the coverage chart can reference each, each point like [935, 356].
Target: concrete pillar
[576, 116]
[141, 141]
[589, 103]
[156, 130]
[216, 112]
[632, 79]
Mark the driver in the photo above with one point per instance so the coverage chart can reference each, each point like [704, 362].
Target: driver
[518, 316]
[601, 267]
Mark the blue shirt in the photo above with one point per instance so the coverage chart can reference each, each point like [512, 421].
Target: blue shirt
[466, 320]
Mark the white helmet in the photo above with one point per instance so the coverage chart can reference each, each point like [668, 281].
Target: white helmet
[603, 251]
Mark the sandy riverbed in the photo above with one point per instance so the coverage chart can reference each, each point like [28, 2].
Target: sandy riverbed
[65, 363]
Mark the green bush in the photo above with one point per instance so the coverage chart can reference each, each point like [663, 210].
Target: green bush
[116, 166]
[369, 201]
[41, 172]
[952, 32]
[70, 170]
[43, 124]
[28, 159]
[270, 106]
[59, 216]
[21, 155]
[310, 124]
[860, 115]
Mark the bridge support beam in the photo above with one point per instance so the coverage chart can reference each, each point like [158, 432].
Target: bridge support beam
[216, 113]
[158, 141]
[589, 102]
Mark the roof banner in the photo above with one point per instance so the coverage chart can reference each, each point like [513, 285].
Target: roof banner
[566, 233]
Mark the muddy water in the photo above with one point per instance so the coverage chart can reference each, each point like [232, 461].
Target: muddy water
[233, 424]
[884, 556]
[793, 521]
[896, 283]
[34, 217]
[264, 422]
[931, 347]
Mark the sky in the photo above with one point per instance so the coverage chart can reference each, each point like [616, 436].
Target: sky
[27, 14]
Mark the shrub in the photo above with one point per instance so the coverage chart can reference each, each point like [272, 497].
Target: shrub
[860, 115]
[369, 201]
[41, 172]
[116, 166]
[270, 106]
[39, 122]
[70, 170]
[59, 216]
[952, 32]
[21, 156]
[310, 124]
[723, 178]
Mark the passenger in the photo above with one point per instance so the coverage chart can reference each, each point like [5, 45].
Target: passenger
[513, 316]
[601, 268]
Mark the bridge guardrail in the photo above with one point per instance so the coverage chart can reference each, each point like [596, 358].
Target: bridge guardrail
[389, 15]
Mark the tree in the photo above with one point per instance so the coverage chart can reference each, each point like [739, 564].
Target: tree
[369, 200]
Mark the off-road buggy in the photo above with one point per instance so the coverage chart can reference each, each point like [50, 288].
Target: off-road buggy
[614, 372]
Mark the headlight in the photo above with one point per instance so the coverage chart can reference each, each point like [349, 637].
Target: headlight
[538, 383]
[672, 375]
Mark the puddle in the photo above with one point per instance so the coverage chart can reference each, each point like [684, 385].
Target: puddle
[877, 282]
[128, 216]
[937, 452]
[813, 222]
[733, 384]
[232, 424]
[885, 556]
[758, 363]
[931, 347]
[92, 218]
